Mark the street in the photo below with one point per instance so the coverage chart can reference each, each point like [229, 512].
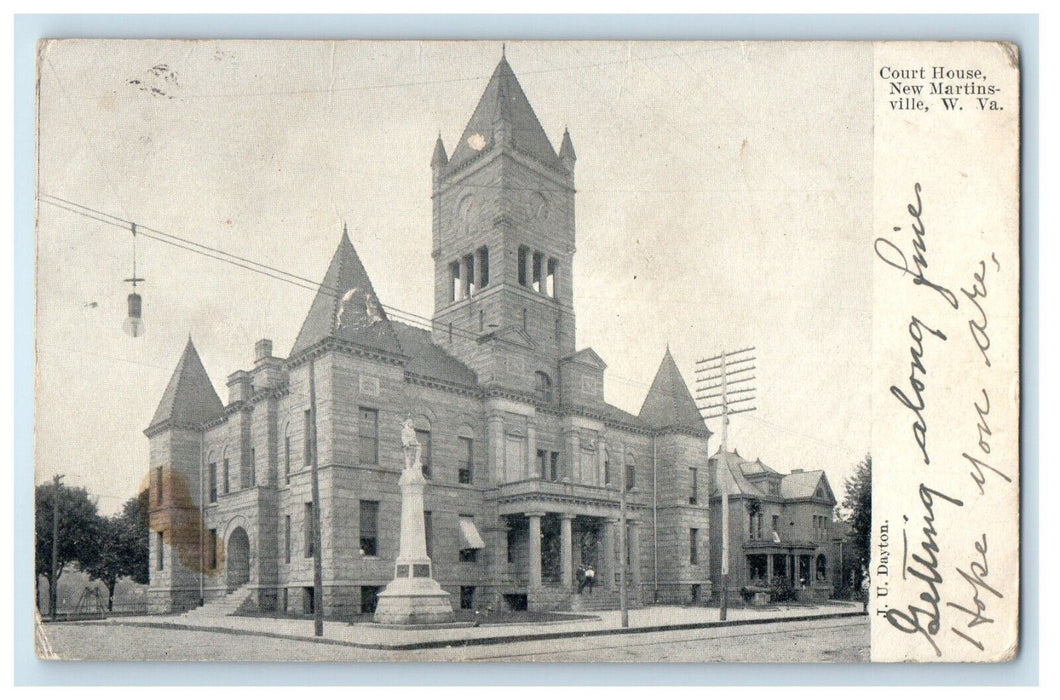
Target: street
[835, 640]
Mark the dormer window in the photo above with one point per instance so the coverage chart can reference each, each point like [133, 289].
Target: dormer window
[543, 386]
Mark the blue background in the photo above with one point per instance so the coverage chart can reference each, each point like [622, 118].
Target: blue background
[1021, 29]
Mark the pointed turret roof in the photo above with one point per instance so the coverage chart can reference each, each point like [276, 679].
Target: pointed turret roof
[503, 109]
[669, 403]
[189, 398]
[439, 158]
[346, 307]
[566, 147]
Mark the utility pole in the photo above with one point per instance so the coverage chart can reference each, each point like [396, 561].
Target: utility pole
[318, 586]
[53, 588]
[622, 549]
[719, 373]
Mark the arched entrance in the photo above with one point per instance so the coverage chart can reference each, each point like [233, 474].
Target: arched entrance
[238, 558]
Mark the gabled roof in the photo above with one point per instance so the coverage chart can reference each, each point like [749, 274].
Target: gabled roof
[189, 398]
[586, 356]
[429, 360]
[804, 485]
[346, 307]
[503, 105]
[669, 403]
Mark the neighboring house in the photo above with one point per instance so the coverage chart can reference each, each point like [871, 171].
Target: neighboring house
[524, 458]
[780, 527]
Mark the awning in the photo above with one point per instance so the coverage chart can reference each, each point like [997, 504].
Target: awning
[469, 537]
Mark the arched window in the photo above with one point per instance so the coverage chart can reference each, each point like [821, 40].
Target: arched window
[631, 472]
[543, 386]
[822, 568]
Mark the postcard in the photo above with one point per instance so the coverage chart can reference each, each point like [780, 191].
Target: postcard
[527, 351]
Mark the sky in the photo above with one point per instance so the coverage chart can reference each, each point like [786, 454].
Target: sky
[724, 200]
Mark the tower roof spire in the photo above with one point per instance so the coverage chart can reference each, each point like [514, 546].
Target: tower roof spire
[346, 307]
[669, 403]
[189, 398]
[504, 108]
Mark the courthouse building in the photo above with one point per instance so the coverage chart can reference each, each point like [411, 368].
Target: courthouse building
[525, 460]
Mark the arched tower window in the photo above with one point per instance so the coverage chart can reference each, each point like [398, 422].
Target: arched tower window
[543, 386]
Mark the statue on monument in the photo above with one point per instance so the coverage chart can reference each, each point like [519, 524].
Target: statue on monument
[411, 445]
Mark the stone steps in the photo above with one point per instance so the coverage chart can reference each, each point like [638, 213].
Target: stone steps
[229, 604]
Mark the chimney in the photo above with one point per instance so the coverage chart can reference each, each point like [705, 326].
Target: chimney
[262, 350]
[238, 386]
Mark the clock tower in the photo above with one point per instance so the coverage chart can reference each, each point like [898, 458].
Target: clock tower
[503, 242]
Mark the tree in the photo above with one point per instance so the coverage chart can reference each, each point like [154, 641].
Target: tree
[124, 542]
[858, 503]
[79, 532]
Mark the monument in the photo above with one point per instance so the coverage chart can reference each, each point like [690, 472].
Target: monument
[413, 597]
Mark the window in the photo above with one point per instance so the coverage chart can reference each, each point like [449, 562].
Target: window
[308, 529]
[158, 482]
[470, 540]
[631, 473]
[776, 524]
[513, 540]
[550, 278]
[369, 528]
[369, 598]
[211, 550]
[160, 553]
[252, 465]
[287, 539]
[455, 287]
[524, 253]
[213, 482]
[693, 546]
[469, 275]
[543, 386]
[822, 567]
[693, 498]
[467, 597]
[465, 457]
[287, 459]
[553, 467]
[424, 438]
[536, 270]
[428, 532]
[542, 464]
[607, 467]
[483, 267]
[307, 432]
[225, 469]
[368, 429]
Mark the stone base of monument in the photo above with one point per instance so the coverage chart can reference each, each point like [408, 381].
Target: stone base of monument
[413, 600]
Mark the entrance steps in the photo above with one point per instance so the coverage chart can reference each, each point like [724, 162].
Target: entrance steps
[597, 599]
[231, 603]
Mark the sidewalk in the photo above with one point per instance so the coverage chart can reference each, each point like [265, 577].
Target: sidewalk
[369, 636]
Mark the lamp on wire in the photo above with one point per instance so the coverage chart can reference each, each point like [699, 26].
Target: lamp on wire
[134, 322]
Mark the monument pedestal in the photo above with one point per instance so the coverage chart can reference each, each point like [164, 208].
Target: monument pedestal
[413, 597]
[413, 600]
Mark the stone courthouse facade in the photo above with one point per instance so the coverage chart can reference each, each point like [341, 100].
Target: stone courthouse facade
[525, 460]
